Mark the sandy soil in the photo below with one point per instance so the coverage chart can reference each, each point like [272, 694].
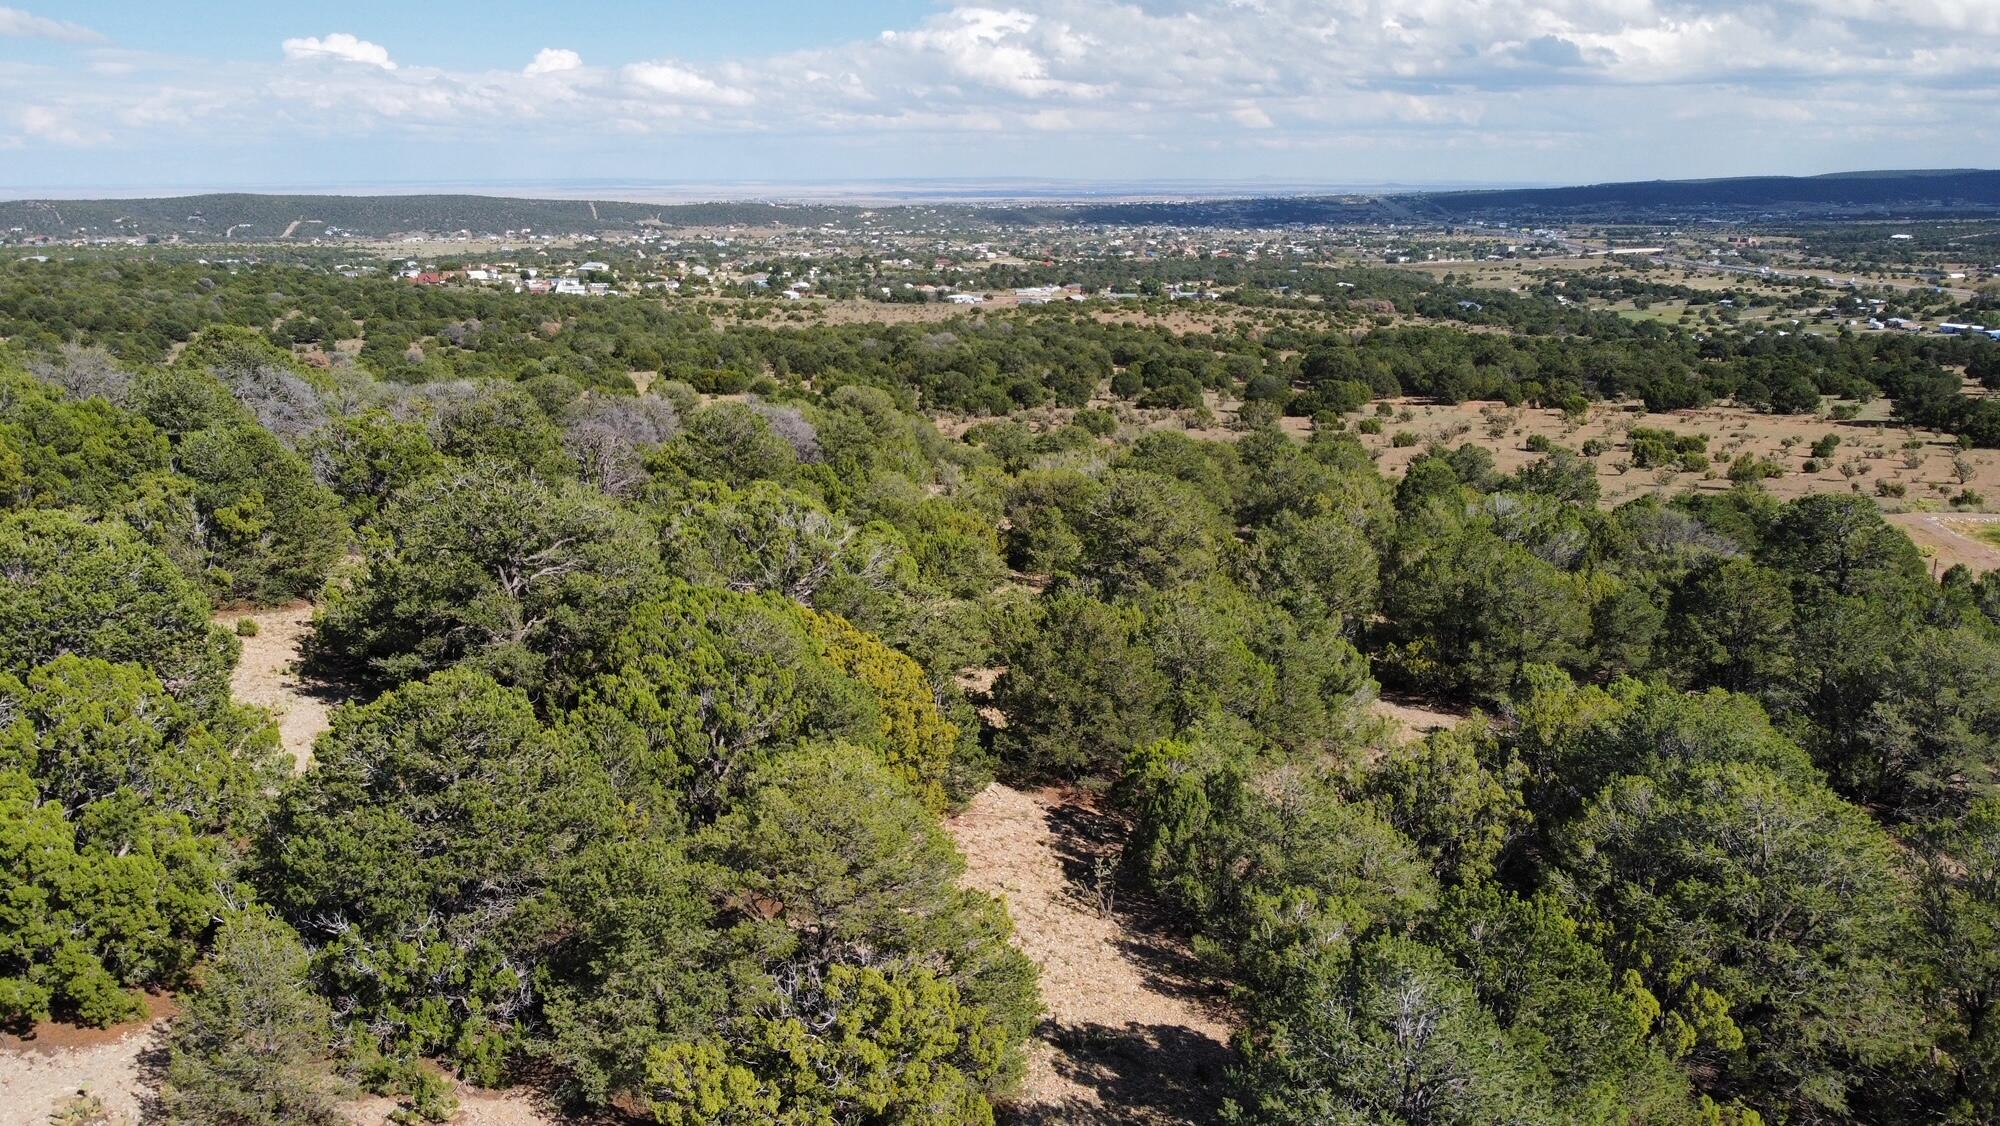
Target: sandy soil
[1872, 449]
[120, 1065]
[1414, 719]
[267, 676]
[475, 1108]
[1132, 1035]
[43, 1072]
[33, 1086]
[1904, 469]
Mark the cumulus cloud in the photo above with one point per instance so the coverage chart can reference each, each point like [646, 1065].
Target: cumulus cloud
[26, 25]
[58, 126]
[1697, 84]
[553, 60]
[679, 84]
[339, 46]
[1008, 50]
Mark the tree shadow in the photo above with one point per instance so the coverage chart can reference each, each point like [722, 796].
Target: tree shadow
[1138, 1072]
[1169, 968]
[152, 1071]
[332, 693]
[1089, 842]
[1141, 1073]
[1087, 838]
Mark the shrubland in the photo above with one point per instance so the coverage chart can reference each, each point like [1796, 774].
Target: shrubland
[655, 706]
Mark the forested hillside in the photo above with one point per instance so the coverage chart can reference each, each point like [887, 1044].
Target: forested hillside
[262, 217]
[654, 634]
[1963, 191]
[1514, 347]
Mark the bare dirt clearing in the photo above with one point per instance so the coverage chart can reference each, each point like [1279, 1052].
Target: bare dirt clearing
[42, 1073]
[267, 676]
[120, 1066]
[1951, 538]
[1415, 719]
[1873, 452]
[1907, 470]
[1131, 1036]
[475, 1108]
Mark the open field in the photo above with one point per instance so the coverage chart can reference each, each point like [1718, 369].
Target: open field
[1873, 452]
[1875, 456]
[1181, 317]
[1516, 273]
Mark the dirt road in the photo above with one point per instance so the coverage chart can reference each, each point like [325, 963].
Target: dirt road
[1951, 538]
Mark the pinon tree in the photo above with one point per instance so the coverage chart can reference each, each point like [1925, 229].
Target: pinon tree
[120, 812]
[488, 568]
[887, 992]
[94, 589]
[254, 1043]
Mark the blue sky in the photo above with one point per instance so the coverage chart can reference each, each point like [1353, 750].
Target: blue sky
[472, 36]
[125, 95]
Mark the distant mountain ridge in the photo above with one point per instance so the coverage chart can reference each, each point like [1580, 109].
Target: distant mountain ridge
[248, 217]
[1943, 192]
[1967, 189]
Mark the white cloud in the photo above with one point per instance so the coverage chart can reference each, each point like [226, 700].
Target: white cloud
[15, 22]
[1007, 50]
[1653, 83]
[679, 84]
[553, 60]
[340, 46]
[56, 125]
[1251, 117]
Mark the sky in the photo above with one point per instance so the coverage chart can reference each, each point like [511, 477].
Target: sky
[122, 96]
